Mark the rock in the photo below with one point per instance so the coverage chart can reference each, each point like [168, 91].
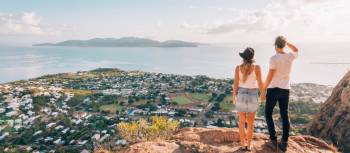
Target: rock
[223, 140]
[332, 122]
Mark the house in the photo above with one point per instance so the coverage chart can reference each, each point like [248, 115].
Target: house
[121, 142]
[50, 125]
[2, 110]
[160, 112]
[3, 136]
[12, 113]
[37, 132]
[104, 137]
[96, 137]
[48, 139]
[77, 121]
[55, 114]
[10, 123]
[30, 113]
[126, 92]
[171, 113]
[196, 109]
[58, 141]
[46, 110]
[18, 121]
[79, 114]
[59, 127]
[65, 130]
[72, 141]
[17, 127]
[82, 142]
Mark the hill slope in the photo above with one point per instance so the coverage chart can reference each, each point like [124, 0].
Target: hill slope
[223, 140]
[332, 122]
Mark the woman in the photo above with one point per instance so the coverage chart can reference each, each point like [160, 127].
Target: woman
[245, 95]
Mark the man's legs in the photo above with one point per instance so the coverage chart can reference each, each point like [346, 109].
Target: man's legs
[271, 101]
[283, 104]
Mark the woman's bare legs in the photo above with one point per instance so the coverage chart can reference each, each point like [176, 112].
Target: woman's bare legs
[250, 131]
[241, 125]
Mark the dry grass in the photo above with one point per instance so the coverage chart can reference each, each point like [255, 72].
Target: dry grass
[101, 149]
[158, 128]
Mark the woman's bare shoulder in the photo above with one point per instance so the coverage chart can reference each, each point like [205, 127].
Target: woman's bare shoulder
[256, 66]
[237, 67]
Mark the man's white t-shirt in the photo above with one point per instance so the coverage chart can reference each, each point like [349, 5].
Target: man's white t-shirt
[282, 64]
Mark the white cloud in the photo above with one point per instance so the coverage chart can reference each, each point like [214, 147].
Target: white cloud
[307, 17]
[27, 23]
[30, 18]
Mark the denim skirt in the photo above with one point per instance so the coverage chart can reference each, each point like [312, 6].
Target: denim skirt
[247, 100]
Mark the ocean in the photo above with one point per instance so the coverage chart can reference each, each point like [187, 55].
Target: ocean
[317, 63]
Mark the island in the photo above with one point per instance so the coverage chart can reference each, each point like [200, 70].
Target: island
[121, 42]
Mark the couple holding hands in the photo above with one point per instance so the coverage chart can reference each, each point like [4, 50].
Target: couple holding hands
[247, 84]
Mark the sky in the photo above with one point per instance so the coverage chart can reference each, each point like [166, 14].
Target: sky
[207, 21]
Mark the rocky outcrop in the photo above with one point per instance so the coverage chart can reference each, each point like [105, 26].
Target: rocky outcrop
[223, 140]
[332, 122]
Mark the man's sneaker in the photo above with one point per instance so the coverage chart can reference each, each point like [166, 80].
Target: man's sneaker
[283, 145]
[274, 144]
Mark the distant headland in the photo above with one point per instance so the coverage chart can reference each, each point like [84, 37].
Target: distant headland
[121, 42]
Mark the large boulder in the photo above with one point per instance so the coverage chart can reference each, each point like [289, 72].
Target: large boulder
[332, 122]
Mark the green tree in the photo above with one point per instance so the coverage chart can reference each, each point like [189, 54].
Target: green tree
[216, 107]
[221, 97]
[180, 112]
[163, 100]
[209, 114]
[220, 122]
[95, 106]
[40, 101]
[130, 101]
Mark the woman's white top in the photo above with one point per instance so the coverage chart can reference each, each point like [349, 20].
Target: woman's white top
[251, 82]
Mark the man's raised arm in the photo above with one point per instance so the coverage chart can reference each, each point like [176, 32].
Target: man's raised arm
[292, 47]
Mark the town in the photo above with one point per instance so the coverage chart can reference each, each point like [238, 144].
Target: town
[75, 112]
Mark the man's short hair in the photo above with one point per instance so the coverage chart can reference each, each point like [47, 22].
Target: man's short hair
[280, 42]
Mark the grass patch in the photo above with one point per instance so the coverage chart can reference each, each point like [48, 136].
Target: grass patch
[181, 100]
[111, 108]
[79, 92]
[227, 105]
[140, 102]
[228, 99]
[201, 96]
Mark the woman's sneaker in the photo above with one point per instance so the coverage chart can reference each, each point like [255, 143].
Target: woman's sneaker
[283, 145]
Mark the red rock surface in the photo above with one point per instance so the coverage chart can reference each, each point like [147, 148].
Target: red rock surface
[223, 140]
[332, 122]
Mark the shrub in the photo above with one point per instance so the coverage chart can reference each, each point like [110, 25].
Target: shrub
[101, 149]
[159, 128]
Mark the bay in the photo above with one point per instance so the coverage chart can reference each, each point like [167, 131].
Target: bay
[317, 63]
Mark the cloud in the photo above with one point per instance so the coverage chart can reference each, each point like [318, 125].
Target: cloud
[282, 16]
[27, 23]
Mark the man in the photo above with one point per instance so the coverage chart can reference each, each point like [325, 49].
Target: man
[277, 84]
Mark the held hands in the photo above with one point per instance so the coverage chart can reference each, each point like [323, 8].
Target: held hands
[262, 97]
